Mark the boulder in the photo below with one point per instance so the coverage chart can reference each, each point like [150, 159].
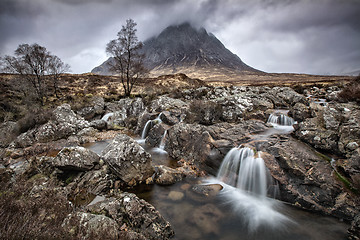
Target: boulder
[96, 108]
[164, 103]
[167, 176]
[136, 215]
[299, 112]
[128, 160]
[306, 179]
[81, 225]
[64, 124]
[76, 158]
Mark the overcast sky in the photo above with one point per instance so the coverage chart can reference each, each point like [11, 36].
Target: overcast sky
[301, 36]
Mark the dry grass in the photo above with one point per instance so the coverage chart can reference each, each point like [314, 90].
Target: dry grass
[351, 91]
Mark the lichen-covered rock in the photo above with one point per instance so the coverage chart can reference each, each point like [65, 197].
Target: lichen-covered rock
[81, 225]
[76, 158]
[299, 112]
[135, 214]
[167, 176]
[64, 124]
[164, 103]
[128, 160]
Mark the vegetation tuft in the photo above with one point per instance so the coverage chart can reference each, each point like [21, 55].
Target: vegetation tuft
[351, 92]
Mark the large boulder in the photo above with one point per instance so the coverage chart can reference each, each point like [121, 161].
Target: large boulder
[136, 215]
[164, 103]
[76, 158]
[64, 124]
[128, 160]
[306, 179]
[167, 176]
[7, 132]
[96, 108]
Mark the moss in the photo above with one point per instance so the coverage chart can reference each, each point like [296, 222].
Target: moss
[347, 183]
[323, 156]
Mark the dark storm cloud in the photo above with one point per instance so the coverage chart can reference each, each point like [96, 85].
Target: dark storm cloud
[320, 36]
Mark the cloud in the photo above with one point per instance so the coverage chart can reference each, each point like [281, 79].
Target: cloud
[277, 36]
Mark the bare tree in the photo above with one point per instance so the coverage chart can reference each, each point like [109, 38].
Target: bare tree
[34, 63]
[127, 60]
[56, 68]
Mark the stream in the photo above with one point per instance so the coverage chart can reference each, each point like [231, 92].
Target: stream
[242, 210]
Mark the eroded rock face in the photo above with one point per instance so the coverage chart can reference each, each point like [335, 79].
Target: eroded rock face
[165, 103]
[128, 160]
[354, 230]
[306, 179]
[96, 108]
[76, 158]
[135, 214]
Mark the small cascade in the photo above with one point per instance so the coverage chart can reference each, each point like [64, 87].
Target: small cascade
[162, 142]
[281, 120]
[247, 183]
[241, 169]
[149, 124]
[107, 116]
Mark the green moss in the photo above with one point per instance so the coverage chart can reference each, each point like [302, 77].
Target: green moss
[323, 156]
[347, 183]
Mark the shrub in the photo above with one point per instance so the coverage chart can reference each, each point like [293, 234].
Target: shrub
[351, 91]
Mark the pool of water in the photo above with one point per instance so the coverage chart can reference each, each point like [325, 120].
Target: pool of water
[234, 215]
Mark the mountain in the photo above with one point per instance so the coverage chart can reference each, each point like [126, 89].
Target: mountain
[185, 49]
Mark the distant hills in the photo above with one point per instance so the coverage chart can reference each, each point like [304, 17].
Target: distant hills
[185, 49]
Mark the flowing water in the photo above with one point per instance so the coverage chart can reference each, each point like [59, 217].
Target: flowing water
[243, 209]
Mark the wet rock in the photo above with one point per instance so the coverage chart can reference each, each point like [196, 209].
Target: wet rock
[76, 158]
[210, 190]
[155, 134]
[354, 230]
[207, 218]
[128, 160]
[285, 97]
[167, 176]
[136, 215]
[83, 225]
[169, 118]
[306, 179]
[176, 196]
[234, 108]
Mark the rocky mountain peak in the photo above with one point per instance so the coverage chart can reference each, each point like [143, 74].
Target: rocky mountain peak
[184, 48]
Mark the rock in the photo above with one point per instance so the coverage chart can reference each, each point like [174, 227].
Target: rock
[96, 108]
[136, 215]
[176, 196]
[210, 190]
[306, 178]
[98, 124]
[76, 158]
[155, 134]
[168, 118]
[164, 103]
[207, 218]
[124, 110]
[354, 230]
[167, 176]
[81, 225]
[64, 124]
[128, 160]
[299, 112]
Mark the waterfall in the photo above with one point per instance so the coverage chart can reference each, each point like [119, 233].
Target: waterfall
[241, 169]
[162, 142]
[149, 124]
[107, 116]
[281, 120]
[247, 182]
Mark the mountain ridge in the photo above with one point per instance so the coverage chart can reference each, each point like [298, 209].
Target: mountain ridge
[184, 49]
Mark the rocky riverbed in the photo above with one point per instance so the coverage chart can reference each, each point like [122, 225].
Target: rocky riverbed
[316, 167]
